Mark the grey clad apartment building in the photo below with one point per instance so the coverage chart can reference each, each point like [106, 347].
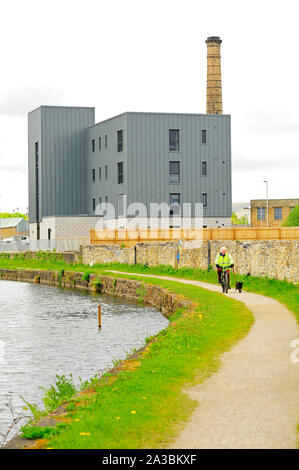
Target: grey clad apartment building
[75, 165]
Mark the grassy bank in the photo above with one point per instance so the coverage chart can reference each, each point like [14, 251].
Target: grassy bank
[143, 406]
[146, 396]
[283, 291]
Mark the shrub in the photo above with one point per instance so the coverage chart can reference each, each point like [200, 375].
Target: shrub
[58, 393]
[97, 283]
[86, 277]
[293, 218]
[37, 432]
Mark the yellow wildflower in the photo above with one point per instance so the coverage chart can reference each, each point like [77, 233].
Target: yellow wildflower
[133, 412]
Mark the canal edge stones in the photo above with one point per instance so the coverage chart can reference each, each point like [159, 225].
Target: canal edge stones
[131, 289]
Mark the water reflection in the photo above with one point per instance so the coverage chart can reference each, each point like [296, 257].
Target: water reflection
[48, 331]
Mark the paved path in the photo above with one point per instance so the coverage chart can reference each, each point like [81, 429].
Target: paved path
[253, 400]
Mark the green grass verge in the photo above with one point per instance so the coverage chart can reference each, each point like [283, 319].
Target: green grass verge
[144, 406]
[283, 291]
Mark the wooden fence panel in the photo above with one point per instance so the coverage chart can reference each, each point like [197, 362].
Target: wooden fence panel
[131, 237]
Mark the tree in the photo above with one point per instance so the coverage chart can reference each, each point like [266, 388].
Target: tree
[236, 221]
[6, 215]
[293, 218]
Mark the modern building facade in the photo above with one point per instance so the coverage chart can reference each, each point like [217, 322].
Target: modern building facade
[77, 168]
[278, 211]
[75, 165]
[57, 170]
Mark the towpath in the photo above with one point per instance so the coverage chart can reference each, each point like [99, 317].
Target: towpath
[253, 399]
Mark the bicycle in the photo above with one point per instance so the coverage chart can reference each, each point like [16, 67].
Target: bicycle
[224, 279]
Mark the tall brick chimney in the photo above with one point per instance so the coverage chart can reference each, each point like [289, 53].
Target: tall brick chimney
[214, 87]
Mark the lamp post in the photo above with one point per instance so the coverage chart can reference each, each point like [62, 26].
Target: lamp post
[266, 181]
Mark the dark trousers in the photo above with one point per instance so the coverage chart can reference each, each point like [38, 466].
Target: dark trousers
[219, 274]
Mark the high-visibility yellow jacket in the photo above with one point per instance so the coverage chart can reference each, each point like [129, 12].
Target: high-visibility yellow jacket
[225, 260]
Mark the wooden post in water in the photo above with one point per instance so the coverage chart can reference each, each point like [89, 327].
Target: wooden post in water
[99, 316]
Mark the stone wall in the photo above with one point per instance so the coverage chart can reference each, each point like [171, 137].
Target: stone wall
[66, 256]
[107, 254]
[276, 259]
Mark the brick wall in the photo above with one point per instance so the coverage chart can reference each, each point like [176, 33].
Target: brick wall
[285, 204]
[65, 228]
[8, 232]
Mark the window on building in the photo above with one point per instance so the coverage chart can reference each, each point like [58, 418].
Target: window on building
[106, 141]
[49, 234]
[93, 145]
[106, 198]
[174, 140]
[175, 200]
[100, 200]
[106, 172]
[204, 198]
[261, 213]
[100, 143]
[203, 136]
[120, 141]
[204, 168]
[93, 204]
[277, 213]
[121, 205]
[120, 172]
[174, 172]
[100, 173]
[93, 174]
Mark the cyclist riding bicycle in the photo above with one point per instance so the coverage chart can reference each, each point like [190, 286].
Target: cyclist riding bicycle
[224, 260]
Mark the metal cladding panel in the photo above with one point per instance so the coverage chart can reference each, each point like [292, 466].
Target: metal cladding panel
[110, 157]
[149, 157]
[34, 135]
[63, 159]
[67, 160]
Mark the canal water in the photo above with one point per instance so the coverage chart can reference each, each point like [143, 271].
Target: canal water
[46, 331]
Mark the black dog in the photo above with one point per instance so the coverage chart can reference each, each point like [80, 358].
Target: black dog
[239, 286]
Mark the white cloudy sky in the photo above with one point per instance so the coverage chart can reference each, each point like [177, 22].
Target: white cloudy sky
[136, 55]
